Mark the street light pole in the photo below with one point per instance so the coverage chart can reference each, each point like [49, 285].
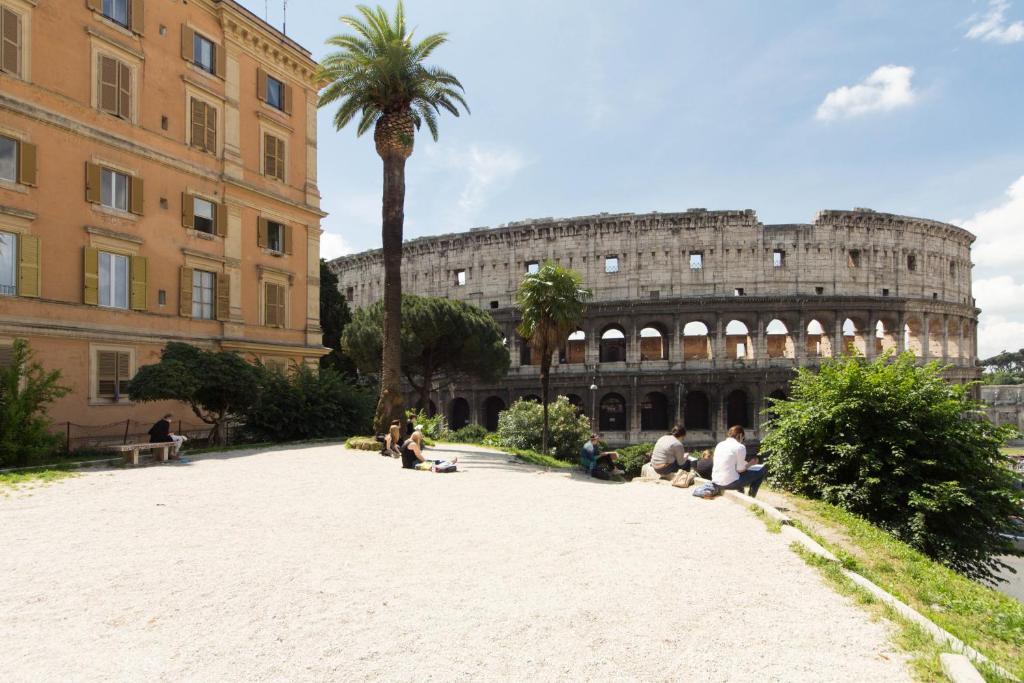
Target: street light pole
[593, 409]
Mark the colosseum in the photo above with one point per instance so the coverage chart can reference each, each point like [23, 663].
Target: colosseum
[697, 317]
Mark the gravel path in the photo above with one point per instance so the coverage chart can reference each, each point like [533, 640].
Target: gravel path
[326, 564]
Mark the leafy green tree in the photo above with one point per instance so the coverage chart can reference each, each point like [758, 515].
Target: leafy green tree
[378, 74]
[334, 316]
[26, 389]
[900, 446]
[520, 427]
[1004, 368]
[442, 340]
[551, 302]
[216, 385]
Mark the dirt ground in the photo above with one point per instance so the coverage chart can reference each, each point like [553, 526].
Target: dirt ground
[321, 563]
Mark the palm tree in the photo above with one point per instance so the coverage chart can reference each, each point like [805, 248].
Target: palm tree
[552, 302]
[378, 74]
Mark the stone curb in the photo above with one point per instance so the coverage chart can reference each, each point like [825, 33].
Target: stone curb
[959, 669]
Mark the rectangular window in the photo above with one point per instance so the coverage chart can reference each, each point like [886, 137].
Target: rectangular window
[738, 291]
[275, 236]
[10, 42]
[205, 215]
[778, 258]
[911, 262]
[885, 292]
[115, 87]
[532, 267]
[696, 260]
[819, 290]
[204, 126]
[113, 372]
[114, 189]
[494, 304]
[274, 297]
[8, 159]
[460, 278]
[350, 293]
[273, 157]
[113, 280]
[202, 294]
[204, 53]
[275, 93]
[117, 11]
[853, 258]
[8, 264]
[611, 264]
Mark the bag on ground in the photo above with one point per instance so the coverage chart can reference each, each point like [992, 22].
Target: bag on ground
[683, 479]
[708, 490]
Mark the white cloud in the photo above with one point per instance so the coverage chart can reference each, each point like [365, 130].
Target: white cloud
[1000, 295]
[333, 245]
[997, 334]
[999, 229]
[992, 26]
[888, 88]
[477, 173]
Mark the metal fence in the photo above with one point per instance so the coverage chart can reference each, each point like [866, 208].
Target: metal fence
[78, 436]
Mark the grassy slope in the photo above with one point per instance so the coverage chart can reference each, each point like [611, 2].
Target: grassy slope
[16, 479]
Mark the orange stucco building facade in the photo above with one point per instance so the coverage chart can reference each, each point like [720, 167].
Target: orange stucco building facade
[157, 183]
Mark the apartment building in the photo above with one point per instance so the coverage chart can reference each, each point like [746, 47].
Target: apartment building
[157, 183]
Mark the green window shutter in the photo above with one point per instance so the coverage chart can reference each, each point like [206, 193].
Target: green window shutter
[221, 222]
[261, 84]
[139, 286]
[138, 18]
[28, 265]
[262, 237]
[109, 89]
[188, 211]
[188, 37]
[124, 91]
[27, 164]
[93, 183]
[106, 373]
[288, 100]
[185, 293]
[198, 123]
[287, 239]
[220, 60]
[91, 286]
[135, 187]
[223, 296]
[211, 129]
[10, 41]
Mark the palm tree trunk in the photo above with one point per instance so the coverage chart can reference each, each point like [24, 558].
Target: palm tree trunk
[545, 368]
[389, 407]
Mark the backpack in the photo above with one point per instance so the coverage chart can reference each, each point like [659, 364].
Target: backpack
[444, 467]
[708, 490]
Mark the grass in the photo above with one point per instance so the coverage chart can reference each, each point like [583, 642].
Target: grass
[773, 525]
[1013, 450]
[980, 616]
[535, 458]
[44, 477]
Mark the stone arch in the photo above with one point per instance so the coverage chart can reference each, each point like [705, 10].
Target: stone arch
[493, 407]
[458, 413]
[819, 343]
[737, 341]
[612, 415]
[612, 347]
[935, 337]
[737, 409]
[779, 340]
[913, 340]
[577, 402]
[854, 339]
[654, 412]
[696, 341]
[653, 342]
[885, 336]
[575, 349]
[697, 410]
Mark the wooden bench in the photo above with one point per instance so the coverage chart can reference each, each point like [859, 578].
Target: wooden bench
[131, 450]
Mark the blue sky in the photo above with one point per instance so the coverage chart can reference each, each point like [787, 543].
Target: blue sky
[785, 107]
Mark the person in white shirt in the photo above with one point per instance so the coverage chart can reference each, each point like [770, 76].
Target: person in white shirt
[669, 456]
[732, 470]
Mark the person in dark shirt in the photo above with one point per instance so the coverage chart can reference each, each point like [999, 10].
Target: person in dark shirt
[160, 432]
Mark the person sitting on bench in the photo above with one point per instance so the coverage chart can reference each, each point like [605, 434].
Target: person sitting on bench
[669, 456]
[160, 432]
[732, 470]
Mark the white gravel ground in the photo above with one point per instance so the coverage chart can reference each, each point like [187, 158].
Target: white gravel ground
[327, 564]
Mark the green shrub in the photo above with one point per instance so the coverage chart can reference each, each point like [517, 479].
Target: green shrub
[306, 404]
[363, 443]
[435, 427]
[26, 389]
[520, 427]
[632, 458]
[471, 433]
[906, 450]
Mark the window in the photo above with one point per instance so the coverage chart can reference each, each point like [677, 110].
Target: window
[853, 258]
[952, 268]
[273, 304]
[113, 371]
[273, 156]
[275, 93]
[204, 215]
[611, 264]
[275, 236]
[113, 280]
[350, 293]
[460, 278]
[8, 160]
[494, 304]
[532, 267]
[738, 291]
[885, 292]
[204, 53]
[778, 258]
[911, 262]
[202, 294]
[8, 264]
[116, 11]
[10, 42]
[204, 126]
[114, 188]
[696, 260]
[819, 290]
[115, 87]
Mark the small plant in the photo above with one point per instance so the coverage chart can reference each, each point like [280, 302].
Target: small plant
[632, 458]
[471, 433]
[435, 427]
[363, 443]
[521, 427]
[26, 389]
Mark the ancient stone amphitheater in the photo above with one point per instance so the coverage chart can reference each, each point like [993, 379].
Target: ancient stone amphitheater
[697, 317]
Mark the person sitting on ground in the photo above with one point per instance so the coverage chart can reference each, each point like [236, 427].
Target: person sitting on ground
[393, 440]
[732, 470]
[597, 464]
[412, 452]
[669, 456]
[160, 432]
[704, 465]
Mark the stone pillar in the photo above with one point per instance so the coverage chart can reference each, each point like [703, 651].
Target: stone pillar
[592, 347]
[718, 340]
[675, 341]
[838, 342]
[869, 336]
[632, 342]
[926, 351]
[899, 334]
[800, 340]
[634, 411]
[945, 338]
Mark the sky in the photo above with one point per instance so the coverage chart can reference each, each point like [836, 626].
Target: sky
[786, 107]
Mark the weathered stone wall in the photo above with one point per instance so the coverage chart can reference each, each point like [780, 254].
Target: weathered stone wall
[769, 297]
[1004, 404]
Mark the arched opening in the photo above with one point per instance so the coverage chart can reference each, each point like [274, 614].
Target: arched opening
[696, 342]
[576, 401]
[853, 337]
[935, 338]
[912, 337]
[612, 414]
[953, 339]
[654, 412]
[885, 338]
[613, 345]
[458, 413]
[737, 410]
[780, 342]
[575, 349]
[818, 343]
[431, 407]
[737, 341]
[530, 397]
[652, 344]
[493, 407]
[697, 411]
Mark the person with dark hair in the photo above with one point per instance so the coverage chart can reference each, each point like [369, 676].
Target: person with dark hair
[598, 464]
[732, 470]
[160, 432]
[669, 456]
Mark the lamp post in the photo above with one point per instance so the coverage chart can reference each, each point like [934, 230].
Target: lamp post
[593, 409]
